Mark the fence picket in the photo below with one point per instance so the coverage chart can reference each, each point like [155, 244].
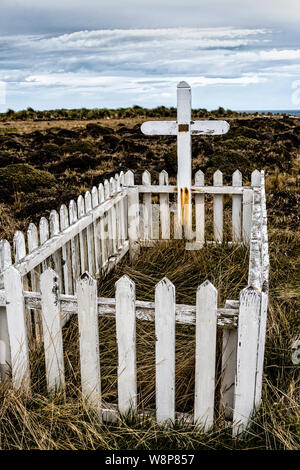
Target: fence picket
[147, 207]
[133, 215]
[74, 242]
[255, 178]
[126, 339]
[16, 321]
[95, 203]
[52, 330]
[66, 252]
[33, 243]
[82, 235]
[89, 234]
[164, 207]
[248, 332]
[206, 333]
[236, 208]
[165, 350]
[200, 209]
[5, 356]
[54, 230]
[218, 208]
[103, 238]
[86, 288]
[247, 214]
[108, 221]
[44, 236]
[113, 218]
[19, 246]
[229, 347]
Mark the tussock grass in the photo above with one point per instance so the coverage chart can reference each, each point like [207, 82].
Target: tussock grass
[66, 421]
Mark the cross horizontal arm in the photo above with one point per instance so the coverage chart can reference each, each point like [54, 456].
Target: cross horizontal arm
[197, 128]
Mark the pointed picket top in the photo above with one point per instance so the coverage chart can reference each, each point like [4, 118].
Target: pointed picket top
[87, 279]
[255, 178]
[124, 281]
[112, 185]
[218, 178]
[146, 178]
[117, 182]
[32, 237]
[199, 178]
[44, 230]
[54, 223]
[64, 217]
[5, 255]
[88, 201]
[237, 178]
[106, 189]
[163, 177]
[49, 277]
[80, 206]
[95, 199]
[183, 84]
[19, 246]
[129, 178]
[122, 178]
[101, 192]
[207, 286]
[165, 284]
[72, 212]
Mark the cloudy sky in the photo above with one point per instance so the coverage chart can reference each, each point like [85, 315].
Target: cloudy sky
[239, 54]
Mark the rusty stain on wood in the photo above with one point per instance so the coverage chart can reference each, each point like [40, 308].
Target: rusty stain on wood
[184, 200]
[183, 127]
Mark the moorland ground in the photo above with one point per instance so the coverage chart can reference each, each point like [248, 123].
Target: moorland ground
[45, 163]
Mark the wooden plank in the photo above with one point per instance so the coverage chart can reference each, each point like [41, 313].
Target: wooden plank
[247, 214]
[229, 348]
[5, 356]
[44, 236]
[82, 235]
[236, 209]
[54, 230]
[20, 253]
[52, 331]
[147, 207]
[66, 252]
[16, 320]
[261, 348]
[95, 203]
[157, 189]
[197, 127]
[33, 243]
[164, 207]
[89, 235]
[133, 215]
[165, 350]
[185, 314]
[218, 208]
[113, 218]
[75, 254]
[248, 332]
[206, 333]
[126, 340]
[108, 221]
[200, 209]
[102, 234]
[255, 178]
[184, 158]
[86, 288]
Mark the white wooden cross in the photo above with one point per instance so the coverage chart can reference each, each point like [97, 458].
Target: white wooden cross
[184, 128]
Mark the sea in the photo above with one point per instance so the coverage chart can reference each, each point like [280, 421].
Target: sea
[292, 112]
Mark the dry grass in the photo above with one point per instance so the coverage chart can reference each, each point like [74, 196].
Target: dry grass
[37, 421]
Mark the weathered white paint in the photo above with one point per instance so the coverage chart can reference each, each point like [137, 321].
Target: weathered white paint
[248, 332]
[206, 331]
[52, 330]
[82, 235]
[126, 339]
[261, 348]
[236, 208]
[33, 243]
[165, 350]
[200, 209]
[44, 236]
[218, 208]
[133, 215]
[54, 230]
[147, 207]
[197, 127]
[89, 233]
[66, 252]
[5, 357]
[164, 207]
[86, 288]
[247, 214]
[16, 321]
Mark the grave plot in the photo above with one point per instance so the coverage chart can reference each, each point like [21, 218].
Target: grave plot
[51, 275]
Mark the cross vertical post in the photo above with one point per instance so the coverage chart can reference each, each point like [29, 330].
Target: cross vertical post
[184, 157]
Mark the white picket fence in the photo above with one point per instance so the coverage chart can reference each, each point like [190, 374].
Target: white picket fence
[47, 274]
